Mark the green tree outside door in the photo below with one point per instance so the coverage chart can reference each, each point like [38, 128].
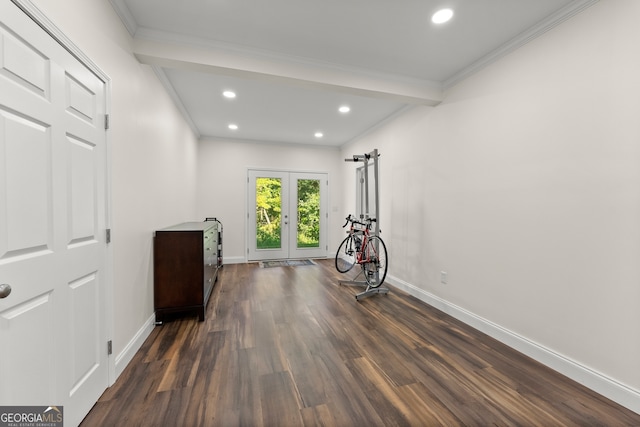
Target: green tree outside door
[308, 213]
[269, 213]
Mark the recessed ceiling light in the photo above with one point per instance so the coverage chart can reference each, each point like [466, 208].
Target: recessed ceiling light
[229, 94]
[318, 134]
[233, 126]
[344, 109]
[442, 16]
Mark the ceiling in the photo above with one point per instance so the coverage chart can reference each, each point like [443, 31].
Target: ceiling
[292, 63]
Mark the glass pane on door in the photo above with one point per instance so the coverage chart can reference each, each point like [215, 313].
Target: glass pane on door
[268, 213]
[308, 213]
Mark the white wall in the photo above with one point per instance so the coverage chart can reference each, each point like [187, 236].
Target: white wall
[153, 157]
[524, 185]
[222, 183]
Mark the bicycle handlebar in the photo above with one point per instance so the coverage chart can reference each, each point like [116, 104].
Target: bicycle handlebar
[352, 220]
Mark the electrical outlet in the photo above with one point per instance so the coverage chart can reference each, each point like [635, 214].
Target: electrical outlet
[444, 277]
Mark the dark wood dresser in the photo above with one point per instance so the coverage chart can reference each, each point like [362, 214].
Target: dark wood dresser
[185, 267]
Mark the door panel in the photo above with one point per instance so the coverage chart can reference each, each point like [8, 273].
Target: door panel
[24, 65]
[82, 191]
[25, 184]
[52, 224]
[81, 100]
[27, 241]
[36, 385]
[84, 306]
[85, 252]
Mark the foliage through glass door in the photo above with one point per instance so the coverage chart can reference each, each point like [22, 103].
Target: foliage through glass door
[308, 213]
[268, 213]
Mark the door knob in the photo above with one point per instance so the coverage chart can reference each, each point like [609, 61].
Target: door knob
[5, 290]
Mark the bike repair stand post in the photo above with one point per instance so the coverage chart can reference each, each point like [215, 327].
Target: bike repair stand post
[364, 158]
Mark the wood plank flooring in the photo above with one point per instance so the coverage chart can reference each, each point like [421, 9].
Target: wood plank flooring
[289, 346]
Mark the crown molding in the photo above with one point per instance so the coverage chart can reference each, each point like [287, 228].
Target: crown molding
[523, 38]
[122, 10]
[176, 99]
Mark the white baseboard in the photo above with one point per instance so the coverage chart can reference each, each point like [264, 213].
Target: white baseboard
[608, 387]
[234, 260]
[130, 350]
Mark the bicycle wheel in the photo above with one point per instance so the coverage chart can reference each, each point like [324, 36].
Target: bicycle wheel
[375, 269]
[346, 255]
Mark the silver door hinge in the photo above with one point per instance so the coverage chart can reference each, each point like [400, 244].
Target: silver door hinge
[106, 122]
[109, 347]
[108, 235]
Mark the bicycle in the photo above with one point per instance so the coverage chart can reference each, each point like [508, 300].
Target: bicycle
[360, 247]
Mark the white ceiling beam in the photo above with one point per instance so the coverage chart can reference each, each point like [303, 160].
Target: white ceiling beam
[219, 60]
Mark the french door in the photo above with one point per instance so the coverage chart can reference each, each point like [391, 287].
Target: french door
[287, 215]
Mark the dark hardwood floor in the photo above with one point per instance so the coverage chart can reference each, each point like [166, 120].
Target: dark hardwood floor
[289, 346]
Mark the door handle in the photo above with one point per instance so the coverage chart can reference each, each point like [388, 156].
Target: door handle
[5, 290]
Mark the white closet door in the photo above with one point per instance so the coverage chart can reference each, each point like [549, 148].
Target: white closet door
[53, 252]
